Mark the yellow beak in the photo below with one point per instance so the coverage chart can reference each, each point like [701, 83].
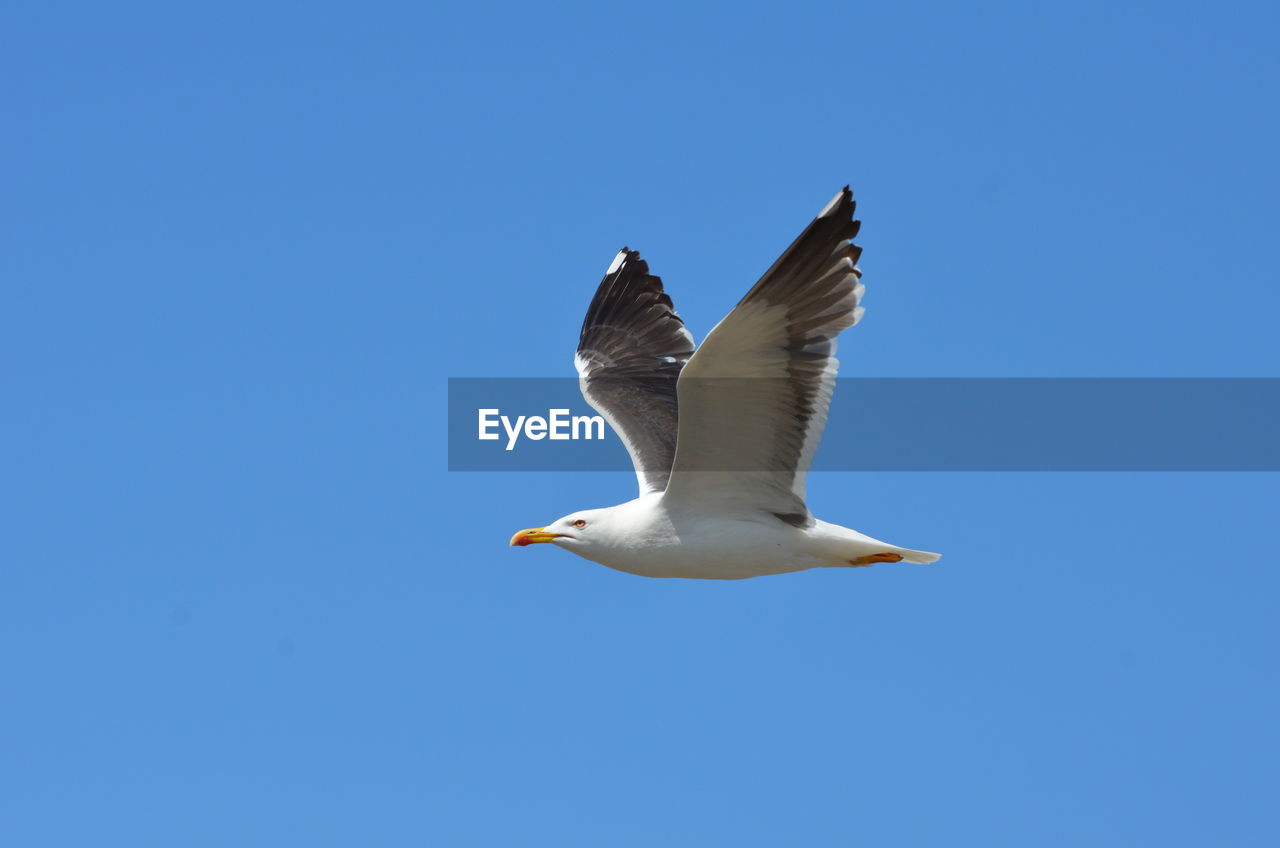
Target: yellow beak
[533, 536]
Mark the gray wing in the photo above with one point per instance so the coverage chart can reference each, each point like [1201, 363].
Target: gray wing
[629, 357]
[754, 398]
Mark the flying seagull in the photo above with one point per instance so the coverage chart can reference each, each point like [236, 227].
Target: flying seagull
[721, 437]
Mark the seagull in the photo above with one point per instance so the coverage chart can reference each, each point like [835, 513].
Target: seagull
[722, 436]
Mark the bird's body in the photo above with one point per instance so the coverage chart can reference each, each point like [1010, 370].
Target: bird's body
[649, 539]
[722, 438]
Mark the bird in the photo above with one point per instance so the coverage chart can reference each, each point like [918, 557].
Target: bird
[722, 435]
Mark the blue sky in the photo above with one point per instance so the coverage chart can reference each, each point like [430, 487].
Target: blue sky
[244, 245]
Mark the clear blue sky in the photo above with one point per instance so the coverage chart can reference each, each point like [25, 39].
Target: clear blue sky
[243, 246]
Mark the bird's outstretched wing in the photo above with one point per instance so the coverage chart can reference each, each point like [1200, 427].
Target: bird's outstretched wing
[753, 400]
[629, 357]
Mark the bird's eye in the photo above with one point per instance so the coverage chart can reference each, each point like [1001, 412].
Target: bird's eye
[579, 524]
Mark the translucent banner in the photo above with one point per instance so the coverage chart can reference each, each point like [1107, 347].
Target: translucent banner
[909, 424]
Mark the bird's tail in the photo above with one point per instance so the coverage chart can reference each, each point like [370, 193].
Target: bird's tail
[918, 557]
[849, 547]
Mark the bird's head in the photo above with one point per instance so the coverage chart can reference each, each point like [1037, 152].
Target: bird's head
[577, 531]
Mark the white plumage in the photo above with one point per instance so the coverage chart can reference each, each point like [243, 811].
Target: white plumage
[722, 438]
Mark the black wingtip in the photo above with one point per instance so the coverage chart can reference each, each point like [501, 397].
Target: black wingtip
[840, 205]
[624, 256]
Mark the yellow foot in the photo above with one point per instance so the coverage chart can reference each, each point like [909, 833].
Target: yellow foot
[874, 558]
